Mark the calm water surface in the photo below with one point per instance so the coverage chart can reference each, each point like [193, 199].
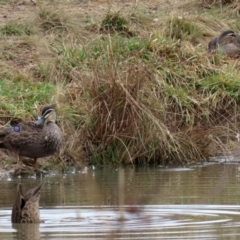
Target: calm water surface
[199, 202]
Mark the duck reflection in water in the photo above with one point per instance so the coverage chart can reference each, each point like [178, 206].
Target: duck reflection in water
[26, 231]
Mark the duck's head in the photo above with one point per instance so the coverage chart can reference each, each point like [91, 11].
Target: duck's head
[48, 115]
[226, 37]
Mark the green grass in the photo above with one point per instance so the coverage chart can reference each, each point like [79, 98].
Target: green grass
[15, 28]
[183, 28]
[20, 96]
[115, 23]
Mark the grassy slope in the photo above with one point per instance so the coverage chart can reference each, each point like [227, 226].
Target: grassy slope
[131, 81]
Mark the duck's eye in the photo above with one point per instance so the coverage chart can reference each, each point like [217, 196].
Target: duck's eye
[16, 128]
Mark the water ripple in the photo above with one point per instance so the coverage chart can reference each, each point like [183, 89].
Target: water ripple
[147, 222]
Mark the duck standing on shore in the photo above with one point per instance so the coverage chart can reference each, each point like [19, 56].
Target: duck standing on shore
[34, 139]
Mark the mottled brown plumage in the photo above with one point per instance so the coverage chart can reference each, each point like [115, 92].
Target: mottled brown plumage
[227, 43]
[34, 140]
[26, 206]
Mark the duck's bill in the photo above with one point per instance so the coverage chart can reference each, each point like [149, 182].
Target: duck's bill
[40, 120]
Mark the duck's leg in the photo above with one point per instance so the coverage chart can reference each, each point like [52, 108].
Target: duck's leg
[19, 167]
[34, 163]
[18, 158]
[33, 166]
[38, 171]
[19, 162]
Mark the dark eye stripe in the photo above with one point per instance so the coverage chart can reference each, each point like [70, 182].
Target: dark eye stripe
[48, 111]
